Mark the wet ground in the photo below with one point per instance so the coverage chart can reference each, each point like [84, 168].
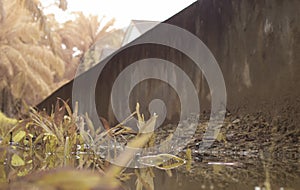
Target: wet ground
[250, 152]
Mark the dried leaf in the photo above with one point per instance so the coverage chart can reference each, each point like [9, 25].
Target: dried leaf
[16, 160]
[141, 121]
[59, 113]
[67, 107]
[90, 125]
[188, 154]
[221, 137]
[144, 179]
[19, 136]
[162, 161]
[126, 156]
[23, 172]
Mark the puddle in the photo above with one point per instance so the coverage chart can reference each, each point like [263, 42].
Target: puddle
[250, 152]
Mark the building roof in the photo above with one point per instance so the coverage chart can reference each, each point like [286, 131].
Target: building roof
[141, 26]
[144, 25]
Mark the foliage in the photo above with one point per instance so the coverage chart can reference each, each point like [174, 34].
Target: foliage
[37, 53]
[63, 139]
[29, 66]
[46, 147]
[6, 124]
[84, 38]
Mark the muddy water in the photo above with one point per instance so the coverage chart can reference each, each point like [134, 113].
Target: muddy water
[250, 175]
[252, 151]
[210, 170]
[217, 173]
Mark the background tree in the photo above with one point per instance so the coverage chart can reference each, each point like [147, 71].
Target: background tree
[82, 35]
[38, 54]
[29, 66]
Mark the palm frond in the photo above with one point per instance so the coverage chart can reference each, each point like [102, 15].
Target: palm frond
[2, 12]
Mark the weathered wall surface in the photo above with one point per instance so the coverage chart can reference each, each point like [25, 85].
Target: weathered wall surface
[255, 42]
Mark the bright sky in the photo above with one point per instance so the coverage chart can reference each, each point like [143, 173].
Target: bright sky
[122, 10]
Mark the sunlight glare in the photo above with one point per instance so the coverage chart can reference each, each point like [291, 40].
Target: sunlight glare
[122, 11]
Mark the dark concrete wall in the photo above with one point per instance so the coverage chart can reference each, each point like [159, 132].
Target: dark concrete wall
[255, 42]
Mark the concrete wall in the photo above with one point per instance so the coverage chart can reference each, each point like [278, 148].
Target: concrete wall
[255, 42]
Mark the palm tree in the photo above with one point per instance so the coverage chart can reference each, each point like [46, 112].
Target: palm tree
[80, 35]
[29, 67]
[38, 54]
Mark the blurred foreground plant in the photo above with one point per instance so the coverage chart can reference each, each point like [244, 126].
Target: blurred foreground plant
[41, 143]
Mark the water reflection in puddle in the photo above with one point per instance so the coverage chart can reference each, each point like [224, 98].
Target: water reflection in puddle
[202, 172]
[231, 173]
